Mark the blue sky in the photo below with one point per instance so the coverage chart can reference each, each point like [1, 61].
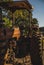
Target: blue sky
[38, 11]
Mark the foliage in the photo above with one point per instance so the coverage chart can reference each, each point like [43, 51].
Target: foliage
[8, 23]
[35, 26]
[22, 16]
[7, 18]
[22, 19]
[23, 13]
[35, 21]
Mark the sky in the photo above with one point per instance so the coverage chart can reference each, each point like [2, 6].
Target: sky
[38, 11]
